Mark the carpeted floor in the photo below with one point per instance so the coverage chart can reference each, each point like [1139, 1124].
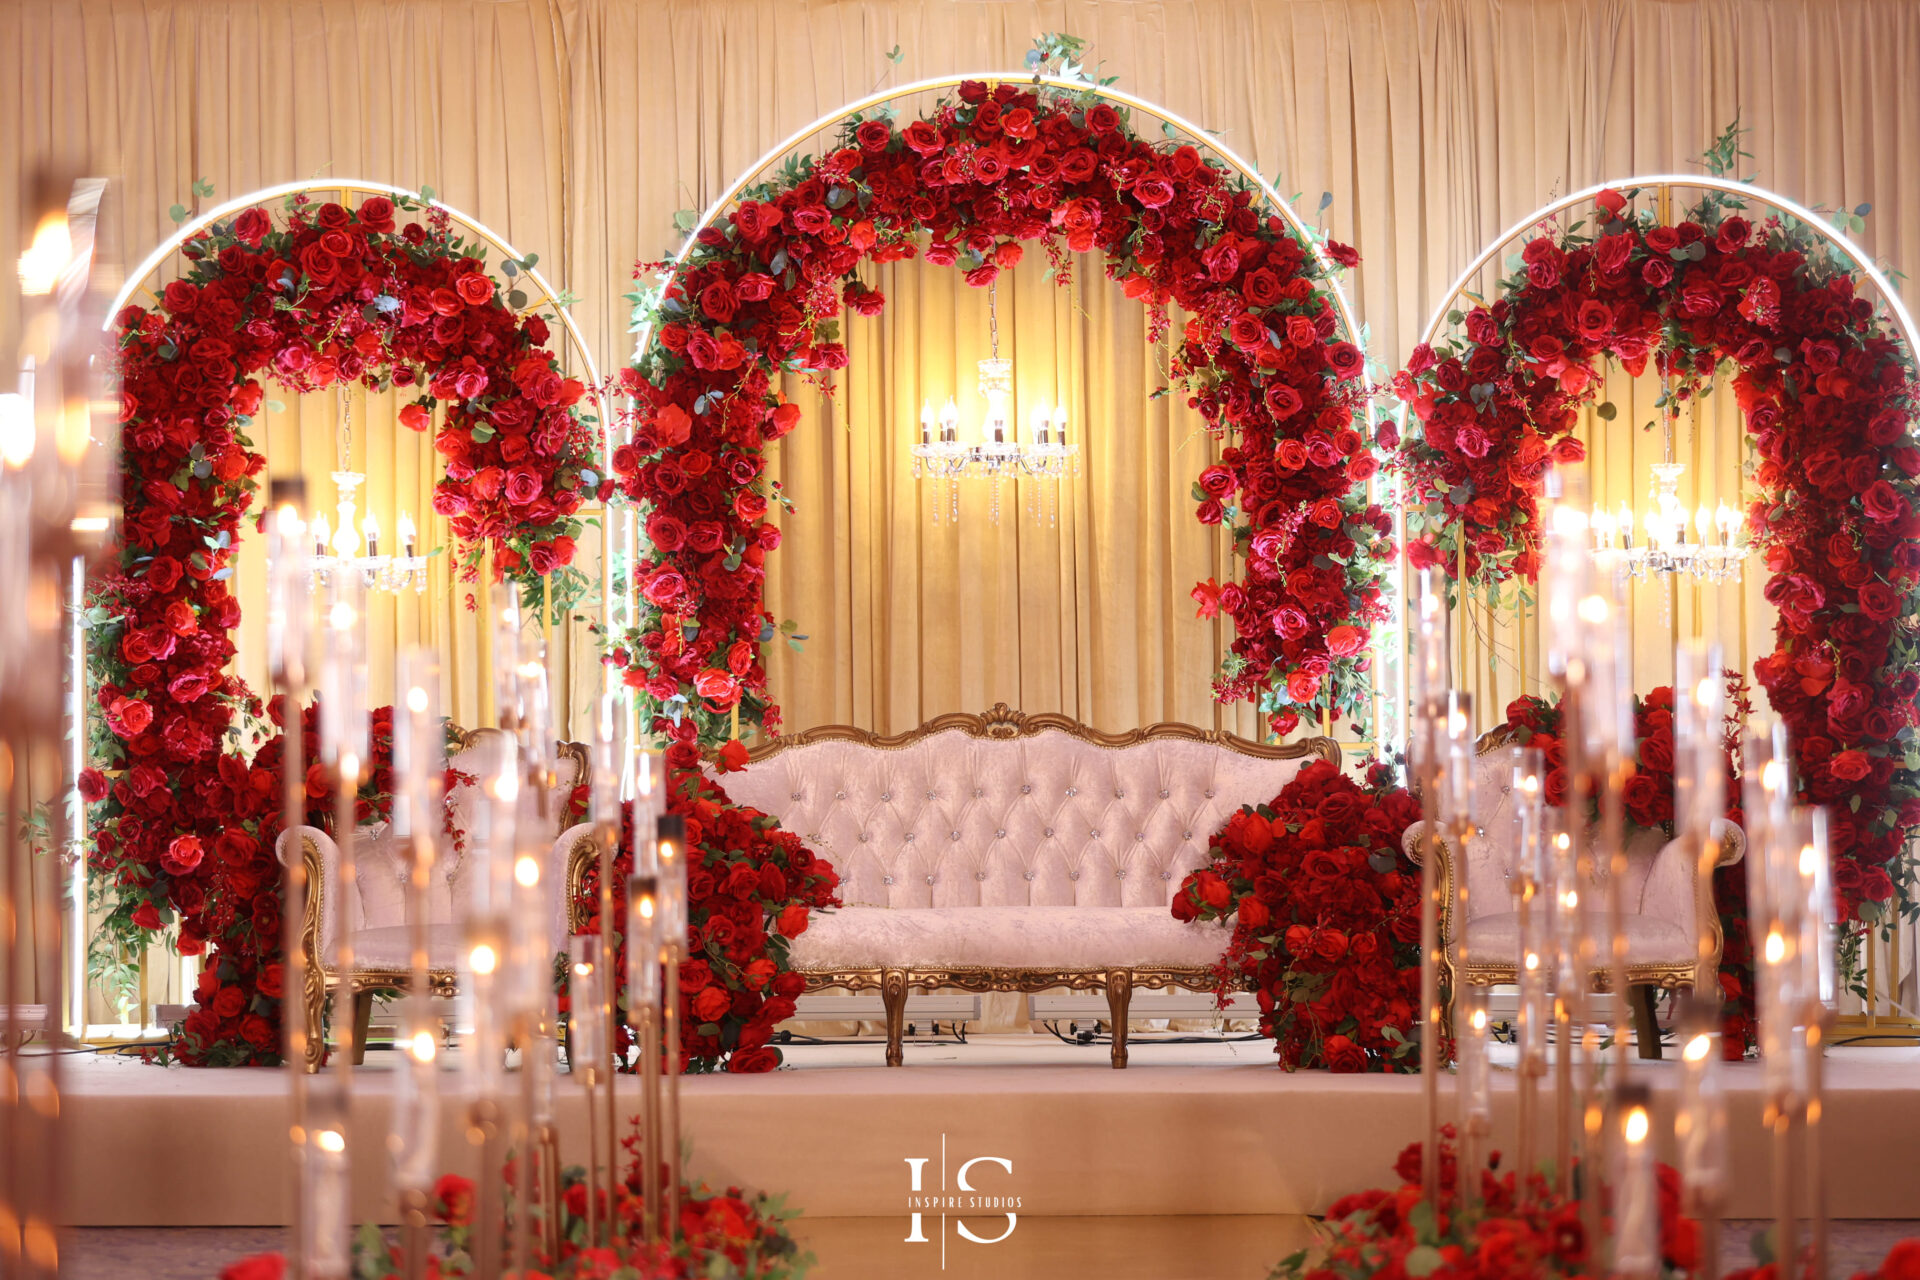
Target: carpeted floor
[1222, 1248]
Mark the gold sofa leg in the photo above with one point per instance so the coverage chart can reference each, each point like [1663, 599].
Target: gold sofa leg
[893, 995]
[362, 1020]
[1119, 996]
[316, 1003]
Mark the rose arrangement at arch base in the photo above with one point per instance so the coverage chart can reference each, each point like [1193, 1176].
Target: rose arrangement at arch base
[970, 185]
[1326, 918]
[1829, 398]
[750, 889]
[727, 1234]
[1648, 803]
[1510, 1232]
[185, 798]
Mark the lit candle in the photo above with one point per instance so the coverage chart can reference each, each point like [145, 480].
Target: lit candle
[643, 945]
[1060, 423]
[1636, 1215]
[1476, 1082]
[1700, 1125]
[1041, 423]
[586, 1053]
[408, 537]
[926, 422]
[321, 534]
[949, 422]
[671, 858]
[1626, 526]
[1703, 522]
[370, 529]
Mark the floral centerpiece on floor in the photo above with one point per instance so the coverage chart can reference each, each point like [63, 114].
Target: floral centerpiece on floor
[1326, 918]
[724, 1235]
[750, 889]
[1500, 1234]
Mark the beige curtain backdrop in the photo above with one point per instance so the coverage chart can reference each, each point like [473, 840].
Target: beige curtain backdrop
[576, 128]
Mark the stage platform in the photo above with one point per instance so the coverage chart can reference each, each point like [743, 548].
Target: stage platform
[1188, 1129]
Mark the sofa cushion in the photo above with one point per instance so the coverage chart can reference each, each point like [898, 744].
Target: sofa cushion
[391, 947]
[1495, 938]
[1048, 819]
[1093, 938]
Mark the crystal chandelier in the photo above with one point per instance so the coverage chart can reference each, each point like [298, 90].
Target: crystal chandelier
[1045, 457]
[1716, 548]
[336, 548]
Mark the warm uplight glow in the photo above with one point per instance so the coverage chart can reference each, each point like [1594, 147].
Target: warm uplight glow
[417, 700]
[349, 764]
[527, 872]
[506, 788]
[42, 265]
[482, 960]
[330, 1140]
[1809, 859]
[1776, 947]
[342, 616]
[1479, 1021]
[1637, 1126]
[89, 524]
[1772, 775]
[1705, 693]
[1533, 961]
[1594, 609]
[1698, 1047]
[1570, 899]
[583, 969]
[421, 1047]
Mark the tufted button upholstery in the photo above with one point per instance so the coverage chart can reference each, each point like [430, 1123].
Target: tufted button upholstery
[1030, 811]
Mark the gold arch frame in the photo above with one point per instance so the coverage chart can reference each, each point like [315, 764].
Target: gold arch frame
[1663, 186]
[631, 535]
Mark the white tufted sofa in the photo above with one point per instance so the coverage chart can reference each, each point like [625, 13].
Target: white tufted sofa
[1664, 919]
[375, 911]
[1009, 852]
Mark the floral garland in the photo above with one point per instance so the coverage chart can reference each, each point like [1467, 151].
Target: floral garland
[1500, 1233]
[733, 1233]
[763, 291]
[1536, 722]
[1326, 912]
[1828, 398]
[323, 295]
[750, 888]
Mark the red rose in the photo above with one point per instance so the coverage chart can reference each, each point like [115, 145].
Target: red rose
[92, 786]
[1881, 501]
[732, 758]
[453, 1199]
[1342, 1055]
[711, 1004]
[753, 1061]
[416, 417]
[376, 214]
[719, 301]
[1346, 360]
[1344, 640]
[183, 855]
[873, 135]
[793, 921]
[261, 1266]
[252, 226]
[474, 289]
[147, 916]
[523, 486]
[1850, 766]
[1102, 118]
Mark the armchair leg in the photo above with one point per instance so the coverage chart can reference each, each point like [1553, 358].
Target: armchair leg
[1119, 996]
[893, 995]
[316, 1010]
[362, 1020]
[1646, 1023]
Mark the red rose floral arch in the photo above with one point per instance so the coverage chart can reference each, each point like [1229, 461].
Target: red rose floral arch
[391, 291]
[1829, 398]
[759, 289]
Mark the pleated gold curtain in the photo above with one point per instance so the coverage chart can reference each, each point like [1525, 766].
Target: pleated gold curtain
[576, 128]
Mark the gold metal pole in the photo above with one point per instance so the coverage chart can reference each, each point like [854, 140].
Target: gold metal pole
[670, 1015]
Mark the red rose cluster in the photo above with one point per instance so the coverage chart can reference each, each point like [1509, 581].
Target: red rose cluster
[322, 295]
[1828, 400]
[750, 887]
[1326, 913]
[1500, 1235]
[763, 291]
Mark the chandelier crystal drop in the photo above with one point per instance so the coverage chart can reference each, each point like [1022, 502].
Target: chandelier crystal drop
[337, 547]
[1668, 539]
[1045, 457]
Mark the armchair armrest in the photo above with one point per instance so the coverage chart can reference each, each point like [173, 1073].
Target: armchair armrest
[1413, 843]
[1733, 842]
[572, 853]
[322, 858]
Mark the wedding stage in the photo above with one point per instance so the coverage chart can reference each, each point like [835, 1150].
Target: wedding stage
[1187, 1129]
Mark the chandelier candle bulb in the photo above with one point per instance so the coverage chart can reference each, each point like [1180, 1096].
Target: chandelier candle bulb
[370, 530]
[926, 422]
[321, 533]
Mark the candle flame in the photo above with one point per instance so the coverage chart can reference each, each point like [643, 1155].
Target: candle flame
[1637, 1125]
[1698, 1047]
[527, 872]
[1776, 947]
[482, 959]
[422, 1047]
[417, 700]
[48, 257]
[330, 1140]
[1809, 859]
